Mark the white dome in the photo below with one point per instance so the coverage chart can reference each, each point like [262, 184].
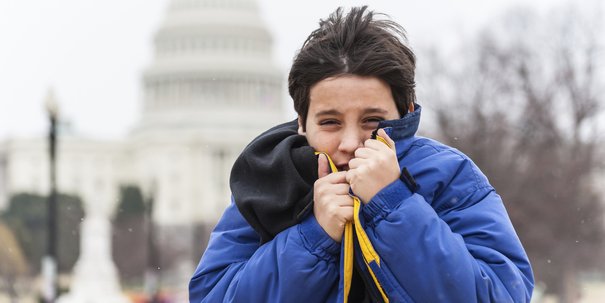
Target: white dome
[210, 56]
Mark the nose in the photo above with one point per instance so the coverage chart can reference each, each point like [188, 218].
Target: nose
[351, 140]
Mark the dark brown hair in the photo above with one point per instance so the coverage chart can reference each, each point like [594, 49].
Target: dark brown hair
[355, 44]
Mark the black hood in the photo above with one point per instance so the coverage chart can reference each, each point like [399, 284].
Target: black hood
[272, 180]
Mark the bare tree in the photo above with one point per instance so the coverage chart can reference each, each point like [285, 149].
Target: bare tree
[523, 100]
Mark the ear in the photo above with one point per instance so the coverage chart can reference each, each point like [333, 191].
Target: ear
[300, 127]
[411, 107]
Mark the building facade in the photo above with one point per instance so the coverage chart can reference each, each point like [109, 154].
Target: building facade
[212, 87]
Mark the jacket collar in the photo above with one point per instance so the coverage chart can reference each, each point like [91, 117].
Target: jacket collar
[404, 127]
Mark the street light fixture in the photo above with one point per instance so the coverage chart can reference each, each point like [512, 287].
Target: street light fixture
[50, 261]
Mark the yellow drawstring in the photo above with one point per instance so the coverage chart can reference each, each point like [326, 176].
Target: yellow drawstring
[367, 249]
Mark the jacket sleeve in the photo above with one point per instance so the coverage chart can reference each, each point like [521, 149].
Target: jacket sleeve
[451, 242]
[235, 268]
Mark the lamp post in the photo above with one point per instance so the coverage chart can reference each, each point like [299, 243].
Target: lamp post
[152, 278]
[49, 262]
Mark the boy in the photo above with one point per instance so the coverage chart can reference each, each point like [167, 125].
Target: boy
[421, 222]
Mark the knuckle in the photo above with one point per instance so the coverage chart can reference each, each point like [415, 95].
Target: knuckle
[319, 190]
[331, 209]
[348, 202]
[350, 175]
[351, 178]
[317, 184]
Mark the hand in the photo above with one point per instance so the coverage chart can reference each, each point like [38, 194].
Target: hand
[333, 206]
[374, 167]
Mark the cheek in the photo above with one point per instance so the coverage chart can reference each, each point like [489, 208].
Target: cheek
[323, 142]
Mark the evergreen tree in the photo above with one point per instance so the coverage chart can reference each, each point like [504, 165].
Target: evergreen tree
[26, 216]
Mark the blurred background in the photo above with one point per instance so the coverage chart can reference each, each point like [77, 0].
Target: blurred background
[127, 116]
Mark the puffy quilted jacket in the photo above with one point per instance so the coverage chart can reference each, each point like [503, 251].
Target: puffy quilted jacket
[446, 239]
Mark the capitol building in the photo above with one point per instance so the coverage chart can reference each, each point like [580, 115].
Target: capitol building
[211, 87]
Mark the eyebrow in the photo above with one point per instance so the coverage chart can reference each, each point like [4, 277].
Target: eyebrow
[371, 110]
[375, 110]
[329, 112]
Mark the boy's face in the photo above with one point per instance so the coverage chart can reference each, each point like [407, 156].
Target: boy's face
[343, 112]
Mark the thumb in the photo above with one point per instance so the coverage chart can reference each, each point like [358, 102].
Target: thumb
[322, 166]
[386, 137]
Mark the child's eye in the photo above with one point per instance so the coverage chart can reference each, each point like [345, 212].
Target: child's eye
[374, 120]
[328, 122]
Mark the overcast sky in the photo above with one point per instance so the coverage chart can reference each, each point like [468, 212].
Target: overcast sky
[93, 52]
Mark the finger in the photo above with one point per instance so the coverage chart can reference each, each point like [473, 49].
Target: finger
[364, 152]
[341, 189]
[356, 162]
[351, 175]
[322, 166]
[335, 178]
[354, 174]
[384, 135]
[342, 200]
[346, 212]
[375, 145]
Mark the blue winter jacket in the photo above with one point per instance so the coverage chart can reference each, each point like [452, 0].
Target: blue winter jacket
[449, 240]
